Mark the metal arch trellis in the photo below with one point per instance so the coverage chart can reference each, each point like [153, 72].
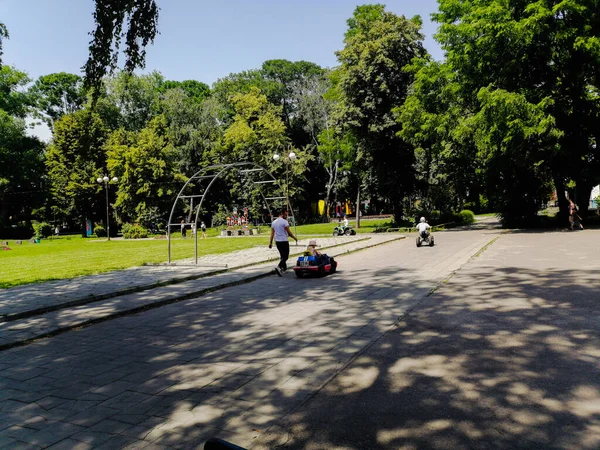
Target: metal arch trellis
[207, 176]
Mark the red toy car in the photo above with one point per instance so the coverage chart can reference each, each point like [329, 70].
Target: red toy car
[314, 265]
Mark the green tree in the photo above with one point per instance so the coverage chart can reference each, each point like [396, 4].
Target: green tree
[134, 20]
[145, 163]
[257, 133]
[435, 120]
[284, 75]
[135, 98]
[195, 90]
[58, 94]
[547, 52]
[74, 159]
[22, 171]
[378, 46]
[196, 129]
[14, 99]
[3, 35]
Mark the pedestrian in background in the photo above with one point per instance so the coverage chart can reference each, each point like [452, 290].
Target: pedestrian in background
[574, 216]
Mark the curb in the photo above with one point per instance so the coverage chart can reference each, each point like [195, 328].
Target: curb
[132, 290]
[160, 303]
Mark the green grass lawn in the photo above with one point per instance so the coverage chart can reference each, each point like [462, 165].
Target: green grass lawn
[71, 256]
[68, 257]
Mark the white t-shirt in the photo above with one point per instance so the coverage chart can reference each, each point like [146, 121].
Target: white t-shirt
[279, 225]
[423, 227]
[345, 222]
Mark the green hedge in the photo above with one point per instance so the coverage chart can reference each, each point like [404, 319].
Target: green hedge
[465, 217]
[134, 231]
[42, 230]
[99, 230]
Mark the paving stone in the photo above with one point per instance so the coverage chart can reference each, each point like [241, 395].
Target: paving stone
[71, 444]
[110, 426]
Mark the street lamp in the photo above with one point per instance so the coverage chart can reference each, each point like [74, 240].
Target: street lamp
[287, 160]
[106, 180]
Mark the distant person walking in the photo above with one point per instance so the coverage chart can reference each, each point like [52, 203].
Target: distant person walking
[183, 229]
[203, 229]
[280, 230]
[574, 216]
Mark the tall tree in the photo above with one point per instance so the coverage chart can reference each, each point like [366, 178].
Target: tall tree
[436, 119]
[134, 20]
[546, 51]
[3, 35]
[285, 75]
[257, 133]
[378, 46]
[22, 171]
[58, 94]
[14, 98]
[135, 98]
[196, 90]
[74, 159]
[196, 129]
[145, 163]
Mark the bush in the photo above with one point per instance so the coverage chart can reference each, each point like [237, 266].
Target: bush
[42, 230]
[465, 217]
[134, 231]
[99, 230]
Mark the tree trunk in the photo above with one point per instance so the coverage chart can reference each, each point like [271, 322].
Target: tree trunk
[563, 204]
[584, 191]
[332, 177]
[358, 207]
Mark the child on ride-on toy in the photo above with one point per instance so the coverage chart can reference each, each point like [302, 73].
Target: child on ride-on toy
[423, 228]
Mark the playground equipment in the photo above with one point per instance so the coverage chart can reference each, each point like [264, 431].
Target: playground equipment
[198, 186]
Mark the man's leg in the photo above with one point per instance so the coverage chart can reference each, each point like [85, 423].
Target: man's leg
[284, 253]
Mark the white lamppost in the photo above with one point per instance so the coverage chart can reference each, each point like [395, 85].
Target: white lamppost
[287, 160]
[106, 180]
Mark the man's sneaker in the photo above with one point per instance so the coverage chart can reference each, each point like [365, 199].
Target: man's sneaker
[278, 271]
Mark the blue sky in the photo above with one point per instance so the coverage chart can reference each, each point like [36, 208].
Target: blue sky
[200, 39]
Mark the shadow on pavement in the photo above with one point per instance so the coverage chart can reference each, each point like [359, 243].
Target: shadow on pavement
[494, 359]
[229, 364]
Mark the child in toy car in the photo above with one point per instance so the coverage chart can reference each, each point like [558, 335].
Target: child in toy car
[314, 262]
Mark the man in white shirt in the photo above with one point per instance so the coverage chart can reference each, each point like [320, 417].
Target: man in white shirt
[280, 230]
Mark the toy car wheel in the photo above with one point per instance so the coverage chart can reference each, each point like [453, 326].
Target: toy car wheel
[335, 232]
[321, 270]
[333, 265]
[418, 241]
[299, 274]
[431, 241]
[352, 232]
[347, 232]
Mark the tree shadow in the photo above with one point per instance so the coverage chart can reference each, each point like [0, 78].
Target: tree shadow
[228, 364]
[508, 360]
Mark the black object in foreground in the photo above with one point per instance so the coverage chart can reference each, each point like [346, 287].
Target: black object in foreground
[220, 444]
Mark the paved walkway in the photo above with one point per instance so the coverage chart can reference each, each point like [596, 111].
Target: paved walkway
[230, 363]
[33, 311]
[504, 355]
[487, 340]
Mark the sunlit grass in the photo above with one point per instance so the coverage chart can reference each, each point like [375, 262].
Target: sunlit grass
[68, 257]
[63, 257]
